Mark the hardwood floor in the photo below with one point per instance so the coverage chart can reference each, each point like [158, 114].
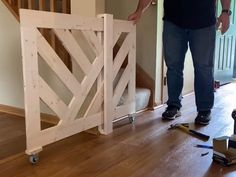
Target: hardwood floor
[12, 135]
[143, 149]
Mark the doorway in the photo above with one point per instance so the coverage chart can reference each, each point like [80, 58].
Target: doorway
[225, 51]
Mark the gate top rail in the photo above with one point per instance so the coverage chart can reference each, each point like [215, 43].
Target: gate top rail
[43, 19]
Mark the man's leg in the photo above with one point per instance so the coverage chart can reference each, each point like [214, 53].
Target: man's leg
[202, 46]
[175, 46]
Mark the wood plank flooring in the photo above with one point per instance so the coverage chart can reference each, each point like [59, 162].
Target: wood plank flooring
[143, 149]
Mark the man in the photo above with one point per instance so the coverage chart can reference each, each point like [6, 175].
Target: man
[189, 23]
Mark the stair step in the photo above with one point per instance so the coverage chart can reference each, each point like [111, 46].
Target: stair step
[142, 96]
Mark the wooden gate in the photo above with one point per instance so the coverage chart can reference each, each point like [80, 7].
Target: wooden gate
[99, 73]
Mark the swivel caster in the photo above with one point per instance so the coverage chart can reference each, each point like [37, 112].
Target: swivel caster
[34, 158]
[132, 118]
[234, 117]
[234, 114]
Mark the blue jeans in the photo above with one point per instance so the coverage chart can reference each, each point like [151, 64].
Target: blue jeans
[201, 42]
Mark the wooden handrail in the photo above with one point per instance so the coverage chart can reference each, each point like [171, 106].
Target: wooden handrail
[15, 5]
[11, 7]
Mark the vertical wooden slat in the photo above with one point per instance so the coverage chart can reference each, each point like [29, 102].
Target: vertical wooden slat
[31, 84]
[52, 5]
[100, 80]
[108, 73]
[30, 4]
[10, 2]
[64, 6]
[132, 62]
[52, 35]
[19, 3]
[42, 5]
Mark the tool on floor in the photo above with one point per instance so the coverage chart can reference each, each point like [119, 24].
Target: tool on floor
[185, 127]
[204, 146]
[224, 148]
[204, 154]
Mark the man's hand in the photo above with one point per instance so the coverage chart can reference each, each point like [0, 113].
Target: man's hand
[142, 6]
[135, 17]
[223, 22]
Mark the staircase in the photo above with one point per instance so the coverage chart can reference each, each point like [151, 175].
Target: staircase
[144, 94]
[144, 91]
[59, 6]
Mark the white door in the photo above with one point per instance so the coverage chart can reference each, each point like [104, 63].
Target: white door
[225, 48]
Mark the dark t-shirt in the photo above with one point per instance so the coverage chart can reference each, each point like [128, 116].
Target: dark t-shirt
[190, 14]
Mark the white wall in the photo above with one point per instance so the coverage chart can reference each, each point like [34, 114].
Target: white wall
[11, 77]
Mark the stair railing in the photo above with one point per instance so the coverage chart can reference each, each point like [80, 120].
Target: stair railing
[59, 6]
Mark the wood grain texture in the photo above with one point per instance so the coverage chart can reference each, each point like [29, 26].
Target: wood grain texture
[145, 148]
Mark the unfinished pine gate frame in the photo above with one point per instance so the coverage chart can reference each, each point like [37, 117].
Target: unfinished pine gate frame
[101, 33]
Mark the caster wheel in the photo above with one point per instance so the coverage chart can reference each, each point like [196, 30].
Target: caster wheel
[34, 158]
[131, 119]
[234, 114]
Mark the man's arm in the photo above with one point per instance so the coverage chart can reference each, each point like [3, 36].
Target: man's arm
[225, 4]
[224, 18]
[142, 6]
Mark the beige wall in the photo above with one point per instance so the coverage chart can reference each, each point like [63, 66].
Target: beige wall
[87, 7]
[100, 6]
[11, 83]
[83, 7]
[146, 31]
